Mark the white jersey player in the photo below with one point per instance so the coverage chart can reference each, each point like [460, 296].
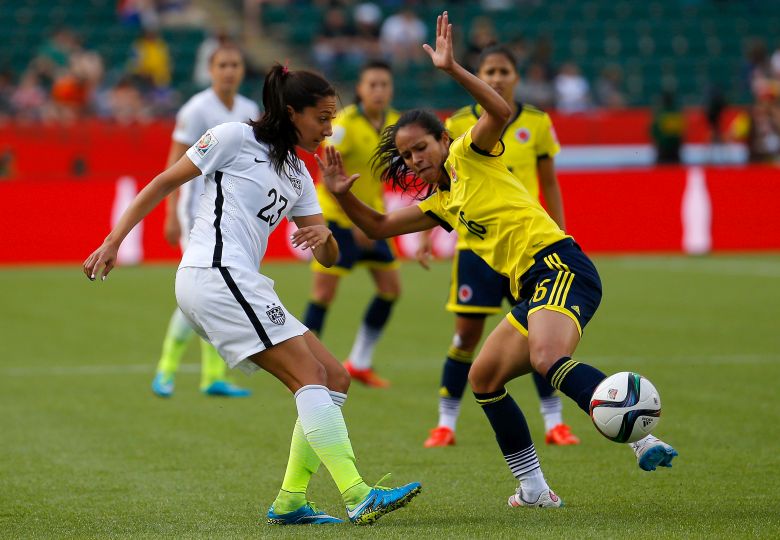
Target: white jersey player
[253, 180]
[218, 104]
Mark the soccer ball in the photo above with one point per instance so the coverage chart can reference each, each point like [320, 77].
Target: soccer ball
[625, 407]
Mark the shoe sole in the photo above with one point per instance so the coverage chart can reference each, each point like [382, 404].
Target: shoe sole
[400, 503]
[658, 456]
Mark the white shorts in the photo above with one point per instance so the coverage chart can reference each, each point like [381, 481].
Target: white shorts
[235, 310]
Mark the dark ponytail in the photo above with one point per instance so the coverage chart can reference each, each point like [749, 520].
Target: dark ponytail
[388, 163]
[282, 87]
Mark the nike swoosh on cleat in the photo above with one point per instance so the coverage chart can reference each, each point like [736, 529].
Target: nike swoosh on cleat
[355, 511]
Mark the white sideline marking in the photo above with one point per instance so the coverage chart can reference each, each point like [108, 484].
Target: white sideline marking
[116, 369]
[706, 266]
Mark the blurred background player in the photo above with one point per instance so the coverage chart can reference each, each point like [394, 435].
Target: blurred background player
[477, 290]
[356, 133]
[216, 105]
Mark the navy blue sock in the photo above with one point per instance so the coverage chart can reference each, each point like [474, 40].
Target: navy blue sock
[576, 380]
[314, 318]
[543, 388]
[454, 378]
[378, 312]
[511, 431]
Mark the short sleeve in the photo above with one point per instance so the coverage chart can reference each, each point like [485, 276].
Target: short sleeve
[432, 207]
[307, 204]
[547, 144]
[189, 125]
[217, 148]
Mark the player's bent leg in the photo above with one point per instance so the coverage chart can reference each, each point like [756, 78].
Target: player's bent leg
[454, 377]
[293, 363]
[213, 375]
[360, 360]
[504, 356]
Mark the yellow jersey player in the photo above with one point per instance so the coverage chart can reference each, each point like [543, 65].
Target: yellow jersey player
[557, 285]
[356, 133]
[476, 290]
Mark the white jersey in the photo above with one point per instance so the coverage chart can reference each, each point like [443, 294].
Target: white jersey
[244, 199]
[203, 111]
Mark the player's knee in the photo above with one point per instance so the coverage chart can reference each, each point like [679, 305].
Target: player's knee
[483, 380]
[339, 379]
[543, 356]
[316, 374]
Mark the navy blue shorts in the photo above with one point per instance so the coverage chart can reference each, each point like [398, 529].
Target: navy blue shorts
[475, 288]
[380, 256]
[562, 279]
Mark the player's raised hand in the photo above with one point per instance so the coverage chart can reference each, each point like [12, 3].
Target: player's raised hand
[333, 174]
[103, 257]
[442, 57]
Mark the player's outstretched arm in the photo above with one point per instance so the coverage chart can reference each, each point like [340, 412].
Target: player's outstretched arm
[164, 183]
[375, 224]
[487, 132]
[315, 235]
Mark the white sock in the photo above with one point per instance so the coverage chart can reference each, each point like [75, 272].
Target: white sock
[533, 484]
[337, 397]
[551, 409]
[449, 410]
[363, 348]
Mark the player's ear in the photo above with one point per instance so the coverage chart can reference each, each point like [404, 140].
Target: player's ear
[445, 138]
[291, 113]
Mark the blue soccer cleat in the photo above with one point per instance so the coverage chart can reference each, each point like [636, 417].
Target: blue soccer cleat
[225, 389]
[162, 385]
[308, 514]
[381, 501]
[652, 452]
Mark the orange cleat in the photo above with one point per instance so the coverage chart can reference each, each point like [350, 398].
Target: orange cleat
[440, 436]
[561, 435]
[366, 376]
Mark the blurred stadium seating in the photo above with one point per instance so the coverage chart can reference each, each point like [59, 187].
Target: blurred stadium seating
[692, 45]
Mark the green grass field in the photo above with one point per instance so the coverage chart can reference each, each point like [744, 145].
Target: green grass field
[87, 451]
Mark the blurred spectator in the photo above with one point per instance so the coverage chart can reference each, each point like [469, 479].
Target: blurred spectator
[70, 95]
[179, 13]
[29, 99]
[150, 58]
[402, 36]
[200, 75]
[54, 55]
[138, 13]
[572, 91]
[667, 129]
[759, 128]
[482, 34]
[535, 89]
[6, 92]
[368, 19]
[335, 41]
[713, 110]
[609, 88]
[126, 103]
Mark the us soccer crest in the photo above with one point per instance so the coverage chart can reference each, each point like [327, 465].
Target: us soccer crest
[295, 182]
[276, 314]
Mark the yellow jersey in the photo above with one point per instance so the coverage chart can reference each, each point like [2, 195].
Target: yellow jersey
[497, 218]
[356, 139]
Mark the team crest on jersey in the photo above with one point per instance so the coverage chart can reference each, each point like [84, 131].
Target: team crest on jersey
[276, 314]
[523, 135]
[465, 293]
[295, 182]
[453, 174]
[206, 143]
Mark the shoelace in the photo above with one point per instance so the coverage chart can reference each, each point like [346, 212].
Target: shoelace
[378, 486]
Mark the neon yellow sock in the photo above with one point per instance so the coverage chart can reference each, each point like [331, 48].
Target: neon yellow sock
[324, 428]
[212, 367]
[175, 343]
[301, 466]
